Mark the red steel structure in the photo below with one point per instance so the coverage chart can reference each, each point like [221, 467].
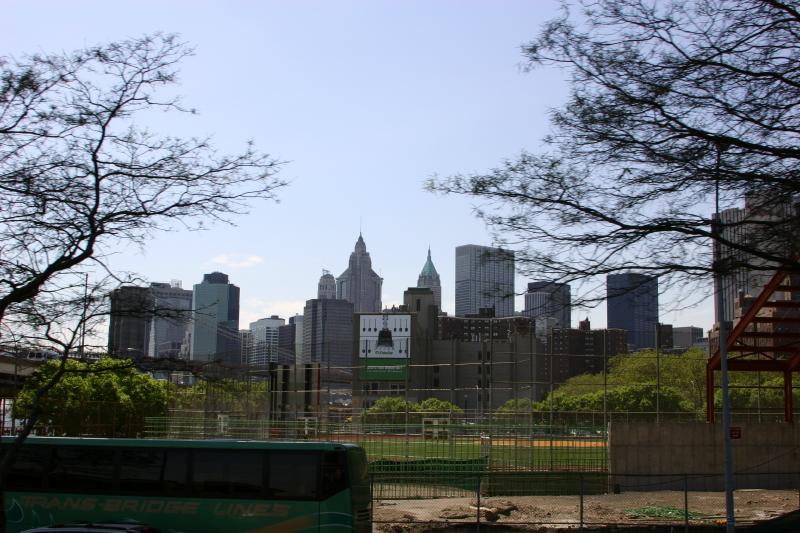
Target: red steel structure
[766, 338]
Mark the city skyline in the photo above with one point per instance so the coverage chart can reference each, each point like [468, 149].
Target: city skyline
[416, 95]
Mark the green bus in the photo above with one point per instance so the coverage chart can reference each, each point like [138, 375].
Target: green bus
[185, 486]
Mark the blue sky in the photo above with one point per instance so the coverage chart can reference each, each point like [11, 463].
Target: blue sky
[363, 100]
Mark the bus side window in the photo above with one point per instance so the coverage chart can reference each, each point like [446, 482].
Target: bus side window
[27, 472]
[79, 469]
[156, 471]
[334, 473]
[293, 475]
[232, 474]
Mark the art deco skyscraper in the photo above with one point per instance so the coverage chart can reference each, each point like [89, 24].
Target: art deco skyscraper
[326, 289]
[359, 284]
[429, 279]
[484, 279]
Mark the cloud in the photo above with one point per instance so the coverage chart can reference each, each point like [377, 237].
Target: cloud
[237, 260]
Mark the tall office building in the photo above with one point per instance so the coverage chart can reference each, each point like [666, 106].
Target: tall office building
[328, 333]
[171, 319]
[149, 321]
[215, 324]
[130, 319]
[429, 279]
[764, 224]
[632, 305]
[326, 289]
[290, 341]
[484, 279]
[359, 284]
[548, 299]
[265, 341]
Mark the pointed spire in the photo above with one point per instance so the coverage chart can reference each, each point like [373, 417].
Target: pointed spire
[361, 246]
[429, 269]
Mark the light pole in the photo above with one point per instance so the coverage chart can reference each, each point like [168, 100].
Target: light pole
[723, 352]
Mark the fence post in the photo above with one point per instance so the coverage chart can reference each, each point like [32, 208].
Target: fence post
[580, 490]
[686, 503]
[478, 503]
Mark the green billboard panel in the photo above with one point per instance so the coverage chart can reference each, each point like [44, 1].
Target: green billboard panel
[374, 369]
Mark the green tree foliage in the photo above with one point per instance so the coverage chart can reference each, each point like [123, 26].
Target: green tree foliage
[757, 392]
[396, 410]
[639, 398]
[246, 397]
[391, 410]
[434, 405]
[634, 383]
[106, 398]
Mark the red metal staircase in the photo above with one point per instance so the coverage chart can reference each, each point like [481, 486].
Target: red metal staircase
[766, 338]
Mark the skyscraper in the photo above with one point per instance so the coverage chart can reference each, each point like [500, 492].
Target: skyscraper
[484, 279]
[359, 284]
[765, 224]
[129, 325]
[326, 289]
[215, 324]
[171, 319]
[148, 321]
[328, 332]
[549, 299]
[265, 338]
[632, 305]
[429, 278]
[290, 341]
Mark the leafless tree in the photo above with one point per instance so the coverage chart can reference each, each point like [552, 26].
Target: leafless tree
[79, 173]
[676, 110]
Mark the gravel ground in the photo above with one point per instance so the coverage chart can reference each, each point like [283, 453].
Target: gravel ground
[557, 512]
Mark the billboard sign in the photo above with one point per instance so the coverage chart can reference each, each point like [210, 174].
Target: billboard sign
[385, 336]
[384, 347]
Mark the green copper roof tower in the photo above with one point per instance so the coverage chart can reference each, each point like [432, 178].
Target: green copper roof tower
[429, 278]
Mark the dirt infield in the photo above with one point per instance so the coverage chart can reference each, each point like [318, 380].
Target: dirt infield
[546, 443]
[495, 441]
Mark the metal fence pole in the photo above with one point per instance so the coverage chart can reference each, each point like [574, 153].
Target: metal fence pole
[478, 504]
[580, 490]
[686, 503]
